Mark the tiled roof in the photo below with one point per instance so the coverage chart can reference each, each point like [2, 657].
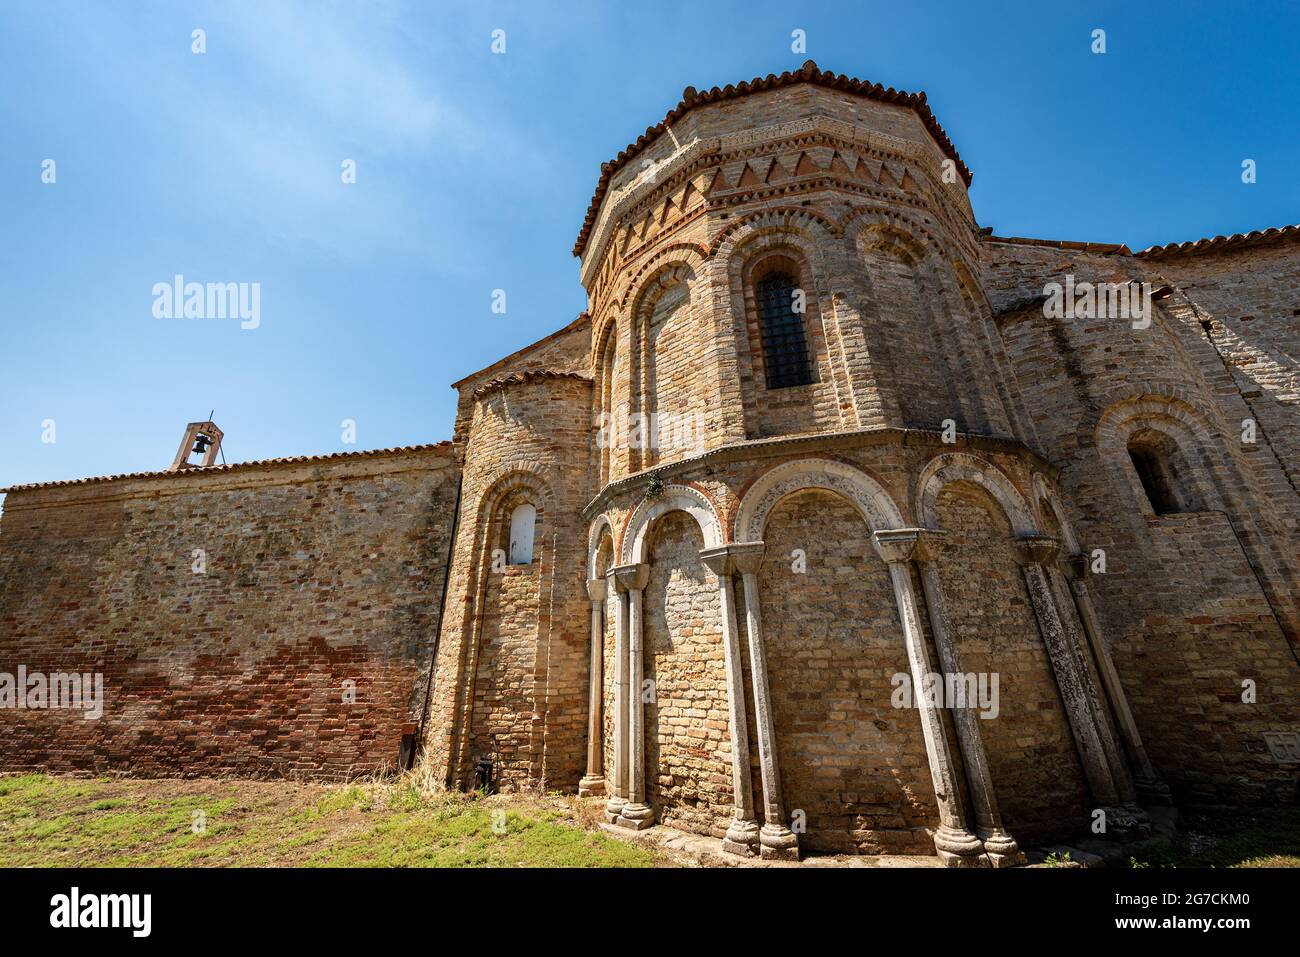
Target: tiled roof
[234, 466]
[809, 73]
[528, 375]
[1101, 249]
[1235, 241]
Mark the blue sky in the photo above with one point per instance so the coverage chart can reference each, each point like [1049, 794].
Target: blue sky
[474, 170]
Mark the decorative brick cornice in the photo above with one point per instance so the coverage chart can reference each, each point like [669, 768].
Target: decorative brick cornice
[809, 73]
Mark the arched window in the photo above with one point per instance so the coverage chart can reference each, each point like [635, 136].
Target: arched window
[785, 345]
[1158, 464]
[523, 520]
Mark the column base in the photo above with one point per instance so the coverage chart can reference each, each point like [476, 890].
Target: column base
[959, 848]
[591, 787]
[742, 838]
[1153, 791]
[613, 808]
[1127, 822]
[778, 843]
[637, 817]
[1001, 849]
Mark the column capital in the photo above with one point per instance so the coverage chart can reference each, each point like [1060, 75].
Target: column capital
[1036, 549]
[718, 560]
[908, 544]
[597, 588]
[1077, 565]
[630, 577]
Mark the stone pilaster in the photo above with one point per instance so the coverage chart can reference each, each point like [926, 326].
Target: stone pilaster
[743, 833]
[1150, 786]
[618, 786]
[953, 841]
[635, 814]
[1000, 846]
[776, 840]
[593, 782]
[1035, 553]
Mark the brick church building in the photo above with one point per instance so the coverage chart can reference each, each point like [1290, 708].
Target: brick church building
[700, 554]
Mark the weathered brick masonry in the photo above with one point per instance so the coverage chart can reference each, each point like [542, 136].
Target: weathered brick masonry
[319, 574]
[814, 439]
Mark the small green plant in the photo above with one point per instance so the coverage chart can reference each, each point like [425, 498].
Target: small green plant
[1058, 860]
[654, 488]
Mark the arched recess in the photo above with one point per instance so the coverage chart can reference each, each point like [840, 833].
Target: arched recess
[1053, 513]
[667, 349]
[853, 764]
[905, 319]
[875, 504]
[610, 400]
[502, 687]
[764, 249]
[600, 557]
[963, 467]
[1033, 760]
[674, 498]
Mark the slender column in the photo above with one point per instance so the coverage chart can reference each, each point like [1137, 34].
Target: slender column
[636, 813]
[742, 834]
[1034, 553]
[953, 841]
[776, 840]
[1147, 780]
[618, 786]
[593, 782]
[1000, 846]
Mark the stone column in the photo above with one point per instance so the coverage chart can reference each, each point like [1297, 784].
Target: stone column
[1150, 786]
[1034, 553]
[742, 834]
[618, 786]
[635, 814]
[953, 841]
[776, 840]
[593, 782]
[1000, 846]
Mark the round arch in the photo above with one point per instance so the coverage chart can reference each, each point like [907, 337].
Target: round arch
[675, 498]
[963, 467]
[868, 495]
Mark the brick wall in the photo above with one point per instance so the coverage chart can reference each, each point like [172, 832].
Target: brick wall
[317, 574]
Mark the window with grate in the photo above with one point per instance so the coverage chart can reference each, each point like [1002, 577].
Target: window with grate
[785, 347]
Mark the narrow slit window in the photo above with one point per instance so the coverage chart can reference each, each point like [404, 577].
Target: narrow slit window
[785, 344]
[1151, 461]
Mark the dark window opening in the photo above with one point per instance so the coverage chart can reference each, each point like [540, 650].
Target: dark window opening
[1155, 459]
[785, 346]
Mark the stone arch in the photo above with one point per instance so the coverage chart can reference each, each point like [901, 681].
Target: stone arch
[1172, 416]
[600, 529]
[875, 504]
[803, 221]
[1045, 495]
[690, 255]
[865, 224]
[682, 498]
[963, 467]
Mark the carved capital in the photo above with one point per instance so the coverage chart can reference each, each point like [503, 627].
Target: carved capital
[631, 577]
[908, 544]
[1036, 549]
[747, 556]
[1077, 565]
[596, 588]
[718, 560]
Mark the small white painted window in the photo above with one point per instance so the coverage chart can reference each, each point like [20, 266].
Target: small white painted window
[522, 522]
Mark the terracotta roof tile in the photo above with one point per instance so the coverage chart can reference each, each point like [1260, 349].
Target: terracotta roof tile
[233, 466]
[809, 73]
[1235, 241]
[528, 375]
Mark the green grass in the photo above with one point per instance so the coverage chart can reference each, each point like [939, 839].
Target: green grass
[1242, 837]
[52, 821]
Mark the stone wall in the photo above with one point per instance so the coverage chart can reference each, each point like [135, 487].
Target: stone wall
[303, 646]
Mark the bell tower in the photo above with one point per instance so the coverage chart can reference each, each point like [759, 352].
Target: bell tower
[206, 439]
